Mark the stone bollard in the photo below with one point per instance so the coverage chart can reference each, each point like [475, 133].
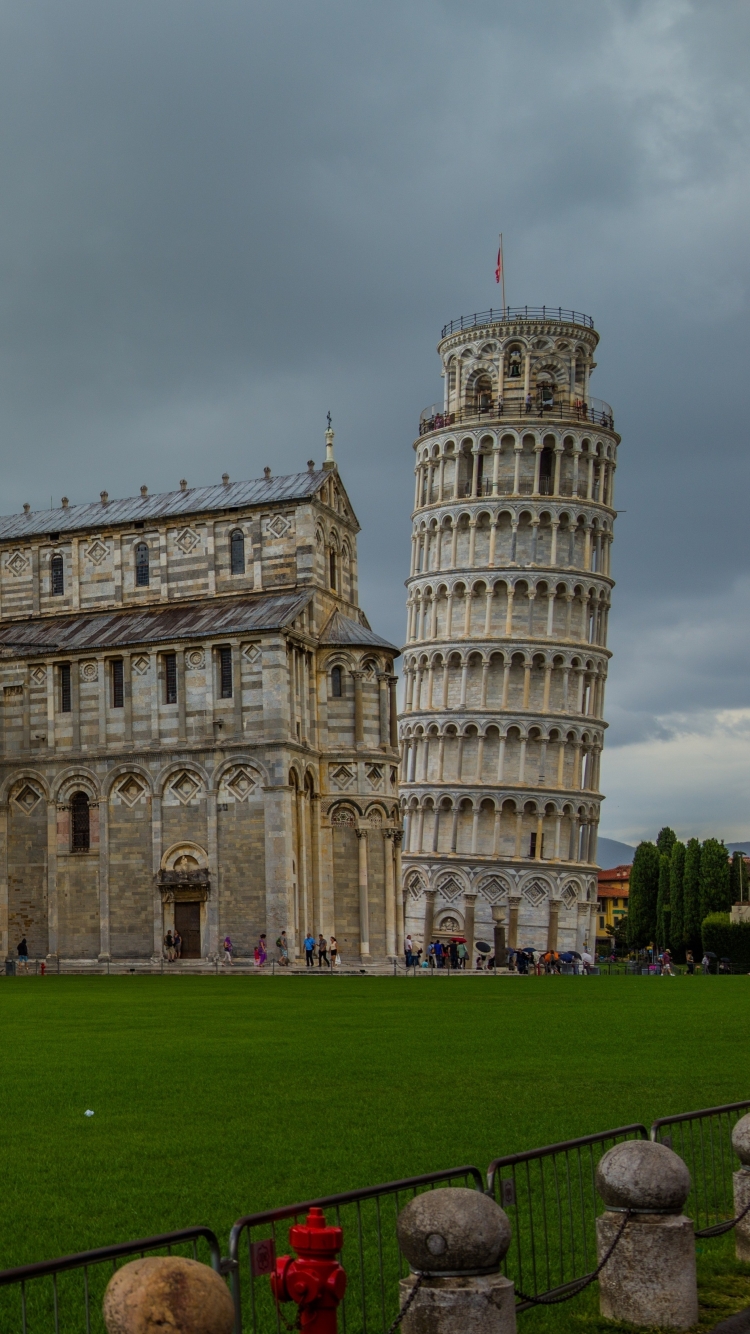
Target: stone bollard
[650, 1278]
[455, 1239]
[741, 1146]
[166, 1291]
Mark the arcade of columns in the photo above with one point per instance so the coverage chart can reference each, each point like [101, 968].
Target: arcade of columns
[506, 657]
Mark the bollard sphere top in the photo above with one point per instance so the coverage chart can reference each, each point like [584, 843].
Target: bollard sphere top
[642, 1175]
[167, 1291]
[453, 1230]
[741, 1140]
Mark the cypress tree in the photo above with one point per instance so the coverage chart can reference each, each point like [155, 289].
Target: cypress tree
[662, 902]
[677, 902]
[691, 903]
[738, 877]
[715, 890]
[644, 890]
[666, 840]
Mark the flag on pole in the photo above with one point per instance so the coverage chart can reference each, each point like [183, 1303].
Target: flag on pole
[499, 269]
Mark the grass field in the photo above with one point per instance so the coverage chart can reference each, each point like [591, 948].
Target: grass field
[217, 1096]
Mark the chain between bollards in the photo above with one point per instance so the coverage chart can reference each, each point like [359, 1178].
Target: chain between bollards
[579, 1285]
[406, 1304]
[718, 1229]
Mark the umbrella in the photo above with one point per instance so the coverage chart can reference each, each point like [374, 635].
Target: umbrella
[567, 957]
[458, 940]
[483, 947]
[710, 954]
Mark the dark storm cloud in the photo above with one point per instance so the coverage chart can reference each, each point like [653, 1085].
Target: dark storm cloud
[219, 220]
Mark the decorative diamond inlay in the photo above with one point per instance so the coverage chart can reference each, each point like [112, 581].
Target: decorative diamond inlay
[39, 675]
[251, 653]
[131, 789]
[414, 884]
[493, 889]
[97, 552]
[569, 895]
[27, 798]
[375, 775]
[241, 782]
[185, 787]
[187, 540]
[342, 776]
[534, 893]
[278, 526]
[450, 888]
[18, 563]
[140, 666]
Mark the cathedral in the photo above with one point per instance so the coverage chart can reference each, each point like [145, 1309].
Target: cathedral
[199, 726]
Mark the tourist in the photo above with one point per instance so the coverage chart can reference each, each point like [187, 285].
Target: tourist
[587, 961]
[463, 955]
[228, 947]
[453, 952]
[334, 946]
[690, 961]
[169, 947]
[706, 964]
[439, 953]
[309, 950]
[323, 952]
[283, 949]
[666, 964]
[431, 954]
[177, 940]
[262, 951]
[22, 951]
[409, 951]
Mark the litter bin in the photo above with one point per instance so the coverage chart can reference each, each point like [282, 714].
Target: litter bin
[10, 967]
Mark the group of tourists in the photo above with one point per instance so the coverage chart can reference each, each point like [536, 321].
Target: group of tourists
[321, 947]
[172, 946]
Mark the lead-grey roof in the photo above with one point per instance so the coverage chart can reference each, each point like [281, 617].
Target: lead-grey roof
[340, 629]
[195, 500]
[84, 632]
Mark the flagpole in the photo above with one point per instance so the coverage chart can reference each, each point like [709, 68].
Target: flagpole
[502, 271]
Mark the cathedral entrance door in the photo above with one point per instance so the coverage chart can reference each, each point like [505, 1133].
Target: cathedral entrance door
[187, 920]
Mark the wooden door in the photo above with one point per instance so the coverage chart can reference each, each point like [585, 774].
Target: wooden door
[187, 920]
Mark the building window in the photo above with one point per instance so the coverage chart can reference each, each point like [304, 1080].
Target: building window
[336, 683]
[601, 923]
[80, 824]
[65, 704]
[532, 845]
[225, 673]
[56, 580]
[238, 552]
[332, 569]
[118, 685]
[170, 678]
[141, 565]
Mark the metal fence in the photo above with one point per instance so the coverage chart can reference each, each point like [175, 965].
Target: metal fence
[510, 313]
[550, 1197]
[549, 1194]
[65, 1295]
[371, 1256]
[704, 1141]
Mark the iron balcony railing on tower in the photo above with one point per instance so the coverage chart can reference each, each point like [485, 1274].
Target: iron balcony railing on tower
[512, 314]
[594, 410]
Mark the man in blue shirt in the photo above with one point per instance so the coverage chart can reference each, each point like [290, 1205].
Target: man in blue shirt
[309, 950]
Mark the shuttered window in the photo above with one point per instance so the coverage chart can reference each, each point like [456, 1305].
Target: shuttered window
[141, 565]
[238, 552]
[170, 678]
[81, 832]
[65, 704]
[118, 687]
[225, 671]
[57, 579]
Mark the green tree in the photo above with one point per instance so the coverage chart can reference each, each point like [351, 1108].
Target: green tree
[619, 932]
[644, 890]
[691, 897]
[662, 902]
[715, 891]
[666, 840]
[738, 877]
[677, 902]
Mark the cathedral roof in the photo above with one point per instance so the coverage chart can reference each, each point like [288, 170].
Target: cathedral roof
[102, 630]
[194, 500]
[340, 629]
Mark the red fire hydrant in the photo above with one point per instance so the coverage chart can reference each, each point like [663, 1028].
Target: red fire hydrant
[314, 1280]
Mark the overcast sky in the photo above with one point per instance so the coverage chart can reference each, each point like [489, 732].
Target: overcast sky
[220, 219]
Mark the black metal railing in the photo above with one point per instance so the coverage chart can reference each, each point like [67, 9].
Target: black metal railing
[550, 1197]
[511, 314]
[65, 1295]
[704, 1141]
[371, 1256]
[595, 411]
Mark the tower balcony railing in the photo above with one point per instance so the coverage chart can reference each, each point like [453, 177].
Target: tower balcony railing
[512, 314]
[525, 488]
[536, 408]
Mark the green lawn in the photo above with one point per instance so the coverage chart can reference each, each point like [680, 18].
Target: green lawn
[218, 1096]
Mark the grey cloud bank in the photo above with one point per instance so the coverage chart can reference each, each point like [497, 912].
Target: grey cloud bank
[218, 221]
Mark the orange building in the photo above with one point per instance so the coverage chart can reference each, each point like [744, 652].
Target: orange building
[612, 900]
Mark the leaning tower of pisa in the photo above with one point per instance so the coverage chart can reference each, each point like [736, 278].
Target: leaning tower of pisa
[506, 654]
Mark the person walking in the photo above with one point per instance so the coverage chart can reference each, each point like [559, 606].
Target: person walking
[323, 952]
[22, 950]
[262, 951]
[283, 949]
[463, 955]
[309, 950]
[408, 951]
[177, 941]
[228, 947]
[690, 961]
[335, 960]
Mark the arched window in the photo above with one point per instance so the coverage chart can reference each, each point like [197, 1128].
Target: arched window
[56, 580]
[336, 690]
[79, 814]
[141, 565]
[238, 552]
[332, 569]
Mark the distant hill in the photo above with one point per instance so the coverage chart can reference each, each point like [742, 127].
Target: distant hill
[610, 853]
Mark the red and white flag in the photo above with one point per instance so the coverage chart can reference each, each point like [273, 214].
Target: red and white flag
[499, 269]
